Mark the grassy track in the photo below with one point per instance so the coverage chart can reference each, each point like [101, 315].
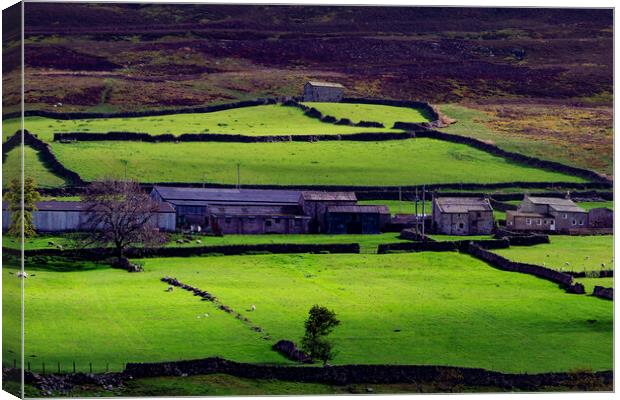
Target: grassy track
[368, 243]
[398, 162]
[254, 121]
[387, 115]
[33, 167]
[583, 253]
[425, 308]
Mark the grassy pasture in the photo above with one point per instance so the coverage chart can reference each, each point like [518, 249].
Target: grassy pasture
[33, 167]
[589, 283]
[271, 119]
[387, 115]
[588, 205]
[424, 308]
[583, 253]
[368, 243]
[397, 162]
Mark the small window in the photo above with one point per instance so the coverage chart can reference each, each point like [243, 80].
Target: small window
[479, 215]
[509, 222]
[528, 221]
[580, 222]
[268, 222]
[546, 222]
[277, 220]
[539, 221]
[565, 216]
[461, 225]
[574, 221]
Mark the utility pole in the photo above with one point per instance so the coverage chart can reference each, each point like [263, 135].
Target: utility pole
[238, 176]
[400, 198]
[423, 207]
[417, 221]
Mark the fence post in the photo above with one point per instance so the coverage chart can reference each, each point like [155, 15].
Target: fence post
[74, 366]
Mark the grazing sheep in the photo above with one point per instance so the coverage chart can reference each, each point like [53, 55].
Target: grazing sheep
[22, 274]
[198, 241]
[50, 243]
[59, 247]
[567, 263]
[603, 265]
[180, 241]
[206, 314]
[170, 289]
[253, 308]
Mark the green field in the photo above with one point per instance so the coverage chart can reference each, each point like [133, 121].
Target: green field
[583, 253]
[34, 168]
[397, 162]
[445, 238]
[588, 205]
[387, 115]
[424, 308]
[254, 121]
[368, 243]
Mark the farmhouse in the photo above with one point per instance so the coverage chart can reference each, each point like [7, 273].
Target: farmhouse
[546, 214]
[258, 211]
[71, 216]
[462, 216]
[323, 91]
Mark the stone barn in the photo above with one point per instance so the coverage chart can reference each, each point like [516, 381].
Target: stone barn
[600, 218]
[462, 216]
[356, 219]
[546, 214]
[323, 91]
[72, 216]
[314, 204]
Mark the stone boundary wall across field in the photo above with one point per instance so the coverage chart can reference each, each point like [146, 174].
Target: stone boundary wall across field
[504, 264]
[606, 273]
[150, 113]
[65, 137]
[240, 249]
[604, 293]
[377, 374]
[442, 246]
[45, 153]
[495, 150]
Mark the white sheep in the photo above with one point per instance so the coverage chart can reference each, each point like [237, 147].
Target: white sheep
[22, 274]
[198, 241]
[567, 263]
[253, 307]
[603, 265]
[206, 314]
[170, 289]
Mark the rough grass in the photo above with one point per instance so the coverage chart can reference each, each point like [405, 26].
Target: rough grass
[272, 119]
[33, 167]
[583, 253]
[580, 136]
[424, 308]
[387, 115]
[398, 162]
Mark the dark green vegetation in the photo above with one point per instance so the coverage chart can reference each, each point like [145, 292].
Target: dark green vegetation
[320, 163]
[582, 253]
[455, 309]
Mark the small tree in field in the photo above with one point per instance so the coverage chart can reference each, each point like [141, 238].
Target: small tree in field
[120, 214]
[320, 323]
[13, 197]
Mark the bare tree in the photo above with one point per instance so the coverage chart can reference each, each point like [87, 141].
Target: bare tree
[120, 214]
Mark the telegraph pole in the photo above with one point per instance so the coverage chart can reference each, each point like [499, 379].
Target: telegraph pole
[423, 207]
[417, 221]
[238, 176]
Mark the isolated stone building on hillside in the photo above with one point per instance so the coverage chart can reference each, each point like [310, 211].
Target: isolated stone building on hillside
[323, 91]
[462, 216]
[546, 214]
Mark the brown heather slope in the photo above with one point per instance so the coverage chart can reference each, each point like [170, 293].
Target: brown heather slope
[113, 57]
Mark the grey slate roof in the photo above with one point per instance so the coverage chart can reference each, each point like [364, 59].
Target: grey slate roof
[325, 84]
[175, 195]
[557, 204]
[328, 196]
[459, 205]
[359, 209]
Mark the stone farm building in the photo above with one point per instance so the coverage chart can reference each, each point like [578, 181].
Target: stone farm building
[323, 91]
[462, 216]
[259, 211]
[556, 214]
[71, 216]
